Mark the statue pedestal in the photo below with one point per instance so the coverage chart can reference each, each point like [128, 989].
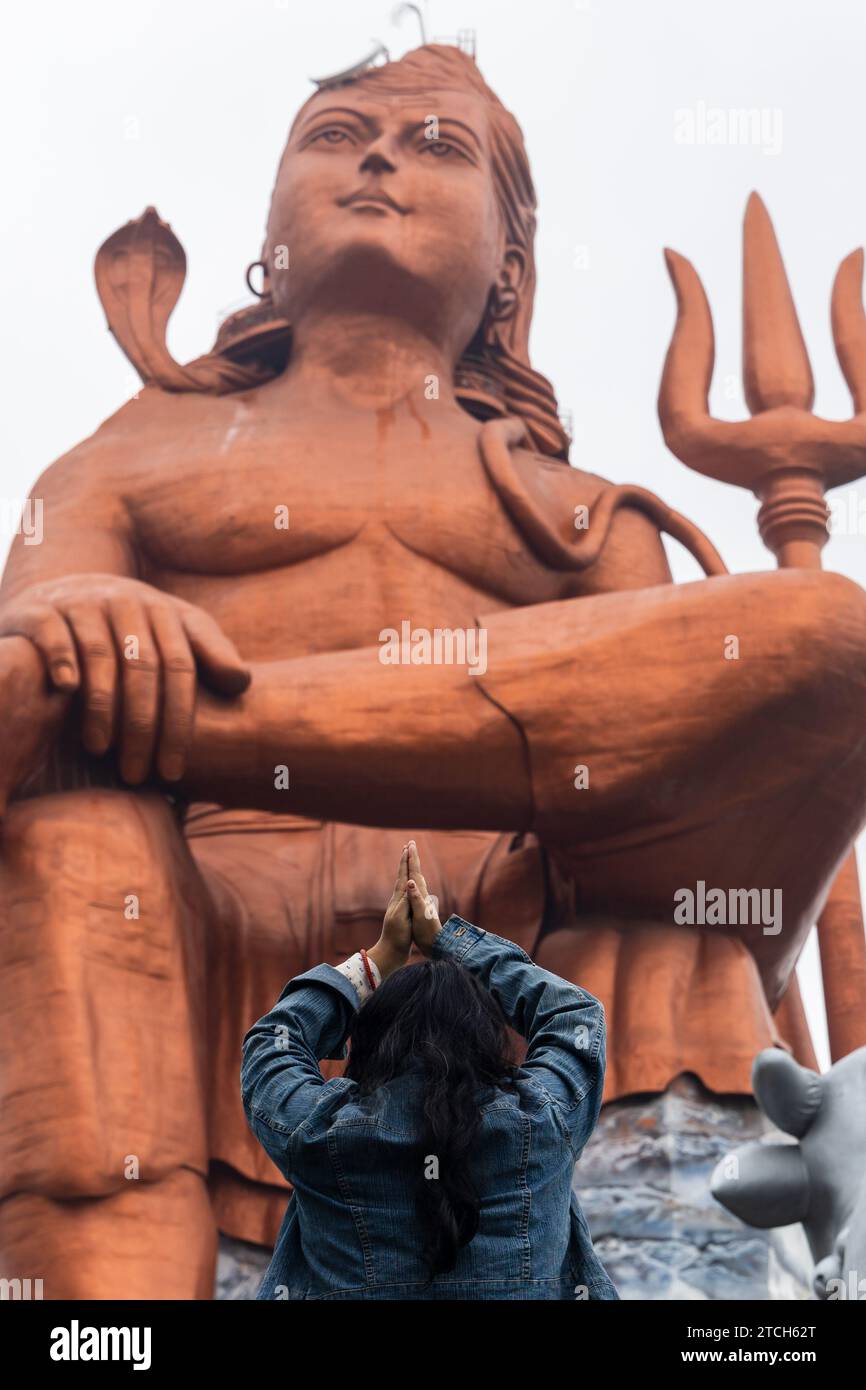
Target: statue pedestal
[240, 1268]
[644, 1183]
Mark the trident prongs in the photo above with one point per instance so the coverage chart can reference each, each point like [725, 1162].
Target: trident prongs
[783, 448]
[776, 369]
[849, 326]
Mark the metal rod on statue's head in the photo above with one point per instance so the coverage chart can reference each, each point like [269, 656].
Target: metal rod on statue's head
[788, 457]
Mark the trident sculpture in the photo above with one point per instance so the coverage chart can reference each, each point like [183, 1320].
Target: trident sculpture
[788, 457]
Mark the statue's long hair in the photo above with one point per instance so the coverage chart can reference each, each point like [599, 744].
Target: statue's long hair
[494, 375]
[439, 1020]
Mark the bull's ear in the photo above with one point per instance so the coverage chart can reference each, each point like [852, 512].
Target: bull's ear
[788, 1094]
[763, 1184]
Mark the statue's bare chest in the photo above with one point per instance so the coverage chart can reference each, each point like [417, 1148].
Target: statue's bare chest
[357, 508]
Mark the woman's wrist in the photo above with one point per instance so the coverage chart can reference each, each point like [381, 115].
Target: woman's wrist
[362, 973]
[426, 941]
[386, 959]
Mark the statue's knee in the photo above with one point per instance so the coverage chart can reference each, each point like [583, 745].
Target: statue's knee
[828, 621]
[840, 611]
[814, 621]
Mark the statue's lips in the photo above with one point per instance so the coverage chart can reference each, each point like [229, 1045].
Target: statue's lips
[372, 202]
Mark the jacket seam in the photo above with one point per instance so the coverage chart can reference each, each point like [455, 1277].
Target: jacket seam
[514, 1279]
[357, 1212]
[527, 1198]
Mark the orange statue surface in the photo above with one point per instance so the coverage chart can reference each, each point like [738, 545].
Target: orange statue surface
[335, 583]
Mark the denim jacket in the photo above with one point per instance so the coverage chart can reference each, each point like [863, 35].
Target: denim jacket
[350, 1230]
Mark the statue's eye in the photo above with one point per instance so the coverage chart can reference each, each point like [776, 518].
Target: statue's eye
[441, 149]
[331, 136]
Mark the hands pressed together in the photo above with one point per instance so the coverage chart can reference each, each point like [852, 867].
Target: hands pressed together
[411, 917]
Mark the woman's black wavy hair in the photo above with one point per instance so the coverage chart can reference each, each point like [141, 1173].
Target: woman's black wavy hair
[438, 1017]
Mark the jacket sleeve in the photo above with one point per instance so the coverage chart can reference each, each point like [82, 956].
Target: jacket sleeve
[564, 1026]
[281, 1082]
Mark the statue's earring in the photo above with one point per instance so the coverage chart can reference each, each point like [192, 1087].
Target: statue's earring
[501, 307]
[264, 291]
[504, 299]
[503, 302]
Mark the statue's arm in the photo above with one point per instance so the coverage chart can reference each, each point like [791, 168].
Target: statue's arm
[77, 524]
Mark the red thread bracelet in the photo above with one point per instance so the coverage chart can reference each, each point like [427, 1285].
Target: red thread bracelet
[370, 976]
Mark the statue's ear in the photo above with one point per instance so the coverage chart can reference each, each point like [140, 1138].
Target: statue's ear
[505, 295]
[788, 1094]
[763, 1184]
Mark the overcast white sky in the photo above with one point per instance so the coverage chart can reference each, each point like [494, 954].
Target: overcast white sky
[109, 105]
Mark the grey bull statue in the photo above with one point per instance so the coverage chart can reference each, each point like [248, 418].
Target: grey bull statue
[819, 1181]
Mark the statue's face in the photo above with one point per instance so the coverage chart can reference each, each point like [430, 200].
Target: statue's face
[376, 215]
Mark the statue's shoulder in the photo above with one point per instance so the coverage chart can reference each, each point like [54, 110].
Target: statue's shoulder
[136, 436]
[156, 411]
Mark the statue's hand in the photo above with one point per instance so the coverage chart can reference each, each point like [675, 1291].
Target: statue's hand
[134, 653]
[423, 906]
[32, 715]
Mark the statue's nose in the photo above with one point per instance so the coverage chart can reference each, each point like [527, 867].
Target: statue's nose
[379, 159]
